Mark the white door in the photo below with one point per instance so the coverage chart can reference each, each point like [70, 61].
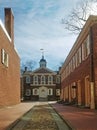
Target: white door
[43, 92]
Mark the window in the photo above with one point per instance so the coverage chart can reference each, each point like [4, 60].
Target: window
[42, 79]
[57, 92]
[35, 79]
[50, 79]
[27, 79]
[88, 45]
[73, 62]
[58, 79]
[76, 62]
[4, 57]
[71, 67]
[85, 48]
[35, 91]
[80, 57]
[28, 92]
[50, 91]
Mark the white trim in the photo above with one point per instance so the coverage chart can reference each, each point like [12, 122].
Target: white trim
[7, 62]
[50, 91]
[50, 79]
[4, 57]
[35, 79]
[3, 51]
[35, 91]
[4, 29]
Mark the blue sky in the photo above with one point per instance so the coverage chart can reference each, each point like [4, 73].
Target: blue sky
[38, 25]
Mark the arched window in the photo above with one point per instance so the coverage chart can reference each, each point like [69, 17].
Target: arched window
[42, 79]
[35, 91]
[50, 91]
[35, 79]
[28, 79]
[50, 79]
[28, 92]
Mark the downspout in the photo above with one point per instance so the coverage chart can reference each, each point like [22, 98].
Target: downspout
[92, 102]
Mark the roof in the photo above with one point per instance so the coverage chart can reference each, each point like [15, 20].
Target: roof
[44, 70]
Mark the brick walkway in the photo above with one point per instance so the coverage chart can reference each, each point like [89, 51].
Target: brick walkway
[78, 118]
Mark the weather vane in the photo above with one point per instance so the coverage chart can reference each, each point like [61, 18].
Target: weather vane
[42, 51]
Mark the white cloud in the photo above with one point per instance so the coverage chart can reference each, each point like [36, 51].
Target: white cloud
[38, 25]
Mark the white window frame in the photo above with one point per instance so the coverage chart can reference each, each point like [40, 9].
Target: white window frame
[37, 91]
[50, 79]
[88, 45]
[80, 55]
[50, 91]
[5, 57]
[73, 62]
[28, 92]
[58, 79]
[57, 92]
[86, 48]
[28, 79]
[35, 79]
[42, 79]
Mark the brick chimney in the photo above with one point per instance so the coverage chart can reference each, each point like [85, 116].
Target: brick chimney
[9, 23]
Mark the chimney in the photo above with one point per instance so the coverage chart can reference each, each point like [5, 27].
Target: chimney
[25, 69]
[9, 23]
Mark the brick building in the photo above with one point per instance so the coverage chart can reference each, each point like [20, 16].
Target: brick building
[79, 71]
[41, 84]
[9, 63]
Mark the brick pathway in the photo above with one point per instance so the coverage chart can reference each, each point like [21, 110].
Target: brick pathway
[78, 118]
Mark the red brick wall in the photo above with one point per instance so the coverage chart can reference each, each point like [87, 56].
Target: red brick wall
[88, 67]
[9, 77]
[94, 35]
[79, 74]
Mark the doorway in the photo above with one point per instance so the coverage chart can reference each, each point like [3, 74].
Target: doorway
[43, 93]
[87, 92]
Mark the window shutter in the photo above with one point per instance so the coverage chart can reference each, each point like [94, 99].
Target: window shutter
[2, 51]
[7, 60]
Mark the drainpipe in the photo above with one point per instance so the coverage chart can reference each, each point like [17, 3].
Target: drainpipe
[92, 104]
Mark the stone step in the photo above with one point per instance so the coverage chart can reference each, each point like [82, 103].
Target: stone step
[43, 99]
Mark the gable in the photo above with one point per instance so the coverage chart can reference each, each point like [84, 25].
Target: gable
[43, 70]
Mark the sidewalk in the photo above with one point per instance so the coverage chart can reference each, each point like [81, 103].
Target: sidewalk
[78, 118]
[12, 113]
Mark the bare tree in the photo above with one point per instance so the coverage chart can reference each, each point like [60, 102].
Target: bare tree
[30, 64]
[76, 19]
